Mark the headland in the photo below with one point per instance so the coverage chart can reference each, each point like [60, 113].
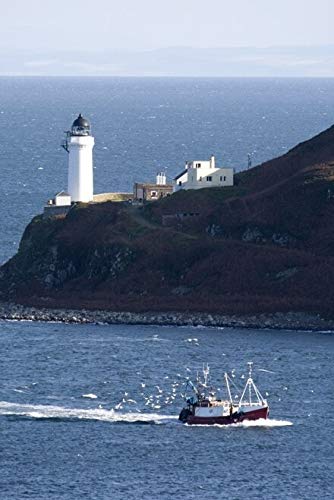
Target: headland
[263, 248]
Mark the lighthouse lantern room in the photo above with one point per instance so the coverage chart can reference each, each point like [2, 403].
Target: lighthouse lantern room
[79, 144]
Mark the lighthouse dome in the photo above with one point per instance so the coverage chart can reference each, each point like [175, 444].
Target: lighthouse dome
[80, 126]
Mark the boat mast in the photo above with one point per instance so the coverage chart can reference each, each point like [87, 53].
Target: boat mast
[194, 388]
[206, 371]
[251, 386]
[228, 387]
[249, 381]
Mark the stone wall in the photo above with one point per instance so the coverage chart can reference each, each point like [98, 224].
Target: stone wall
[54, 210]
[102, 197]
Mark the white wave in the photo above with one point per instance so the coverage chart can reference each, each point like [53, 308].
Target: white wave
[59, 412]
[261, 422]
[264, 422]
[89, 396]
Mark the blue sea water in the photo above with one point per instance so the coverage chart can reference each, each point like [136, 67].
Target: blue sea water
[59, 441]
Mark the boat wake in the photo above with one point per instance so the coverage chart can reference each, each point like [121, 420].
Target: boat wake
[264, 422]
[261, 422]
[60, 413]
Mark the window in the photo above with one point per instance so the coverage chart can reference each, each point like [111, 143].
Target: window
[180, 183]
[200, 179]
[224, 178]
[209, 178]
[198, 165]
[154, 194]
[221, 178]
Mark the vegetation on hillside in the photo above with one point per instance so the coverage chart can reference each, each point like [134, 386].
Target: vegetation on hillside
[264, 245]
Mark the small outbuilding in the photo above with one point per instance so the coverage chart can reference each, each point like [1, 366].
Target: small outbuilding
[59, 205]
[62, 199]
[150, 192]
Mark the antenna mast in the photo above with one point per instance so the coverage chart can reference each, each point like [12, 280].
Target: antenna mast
[65, 142]
[249, 161]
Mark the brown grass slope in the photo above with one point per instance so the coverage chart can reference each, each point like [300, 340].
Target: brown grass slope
[265, 245]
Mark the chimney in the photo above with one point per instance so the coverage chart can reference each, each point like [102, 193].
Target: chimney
[212, 162]
[161, 179]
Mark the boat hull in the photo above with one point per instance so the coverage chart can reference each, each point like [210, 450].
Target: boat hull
[235, 418]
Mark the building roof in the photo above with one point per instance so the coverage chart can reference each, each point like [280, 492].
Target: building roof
[81, 122]
[153, 185]
[180, 175]
[62, 193]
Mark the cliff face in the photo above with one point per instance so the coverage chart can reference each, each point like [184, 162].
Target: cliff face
[265, 245]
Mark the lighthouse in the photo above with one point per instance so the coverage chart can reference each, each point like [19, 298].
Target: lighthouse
[79, 145]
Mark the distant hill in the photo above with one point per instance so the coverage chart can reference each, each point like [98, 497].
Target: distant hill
[265, 245]
[287, 61]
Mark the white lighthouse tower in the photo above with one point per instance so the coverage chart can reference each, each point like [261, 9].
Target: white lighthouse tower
[79, 144]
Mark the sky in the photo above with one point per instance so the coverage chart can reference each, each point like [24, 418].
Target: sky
[98, 25]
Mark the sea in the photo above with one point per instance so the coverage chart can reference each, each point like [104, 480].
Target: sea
[90, 411]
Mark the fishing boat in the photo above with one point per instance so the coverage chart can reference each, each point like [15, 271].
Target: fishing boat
[204, 408]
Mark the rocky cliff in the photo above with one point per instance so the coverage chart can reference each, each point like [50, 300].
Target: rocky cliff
[265, 245]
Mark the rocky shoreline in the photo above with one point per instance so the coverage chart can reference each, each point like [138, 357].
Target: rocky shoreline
[289, 321]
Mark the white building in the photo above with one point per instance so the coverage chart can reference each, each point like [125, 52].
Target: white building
[61, 199]
[202, 174]
[60, 205]
[79, 144]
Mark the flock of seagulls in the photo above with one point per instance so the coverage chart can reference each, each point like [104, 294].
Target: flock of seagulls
[165, 394]
[159, 397]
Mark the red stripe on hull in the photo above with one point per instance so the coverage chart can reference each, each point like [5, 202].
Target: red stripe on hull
[251, 415]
